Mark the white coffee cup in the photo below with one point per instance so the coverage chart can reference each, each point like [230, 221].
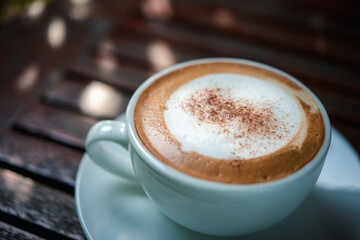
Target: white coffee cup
[204, 206]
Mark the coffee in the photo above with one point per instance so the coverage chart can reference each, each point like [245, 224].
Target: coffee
[230, 122]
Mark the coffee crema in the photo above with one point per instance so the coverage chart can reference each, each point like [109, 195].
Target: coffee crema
[230, 122]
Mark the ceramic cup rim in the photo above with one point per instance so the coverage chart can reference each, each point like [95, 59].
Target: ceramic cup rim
[185, 181]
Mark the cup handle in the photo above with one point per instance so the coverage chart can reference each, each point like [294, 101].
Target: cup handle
[98, 141]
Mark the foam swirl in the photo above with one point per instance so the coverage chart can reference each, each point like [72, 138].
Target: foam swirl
[233, 116]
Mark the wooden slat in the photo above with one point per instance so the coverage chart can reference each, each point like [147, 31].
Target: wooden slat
[40, 156]
[309, 25]
[63, 126]
[125, 76]
[341, 13]
[347, 7]
[234, 46]
[39, 205]
[28, 64]
[330, 75]
[296, 14]
[153, 53]
[340, 106]
[250, 28]
[340, 19]
[88, 96]
[14, 47]
[10, 232]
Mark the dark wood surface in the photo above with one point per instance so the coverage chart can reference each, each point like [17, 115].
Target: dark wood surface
[113, 46]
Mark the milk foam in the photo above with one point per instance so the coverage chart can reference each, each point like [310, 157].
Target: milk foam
[250, 117]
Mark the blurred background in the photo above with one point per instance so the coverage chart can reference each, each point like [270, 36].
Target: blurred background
[88, 56]
[66, 64]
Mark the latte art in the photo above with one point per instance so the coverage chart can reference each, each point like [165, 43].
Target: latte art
[229, 122]
[232, 117]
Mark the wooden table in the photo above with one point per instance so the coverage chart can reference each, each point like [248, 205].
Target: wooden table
[68, 65]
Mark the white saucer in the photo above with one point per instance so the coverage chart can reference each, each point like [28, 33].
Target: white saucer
[110, 207]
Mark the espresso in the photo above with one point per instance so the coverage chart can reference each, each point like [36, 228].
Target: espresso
[230, 122]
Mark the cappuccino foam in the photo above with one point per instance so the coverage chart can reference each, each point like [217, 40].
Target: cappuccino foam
[233, 116]
[229, 122]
